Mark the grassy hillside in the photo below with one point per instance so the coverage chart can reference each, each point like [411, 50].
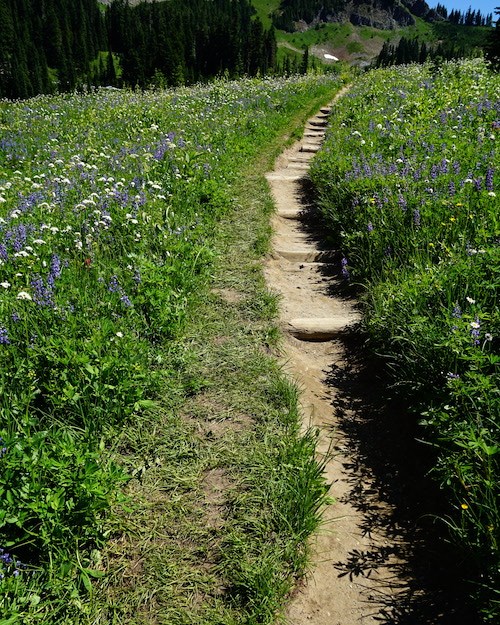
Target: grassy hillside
[361, 44]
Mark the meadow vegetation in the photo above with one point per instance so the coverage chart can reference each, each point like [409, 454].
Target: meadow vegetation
[111, 204]
[408, 182]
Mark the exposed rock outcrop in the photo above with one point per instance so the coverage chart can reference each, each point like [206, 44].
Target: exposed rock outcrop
[382, 14]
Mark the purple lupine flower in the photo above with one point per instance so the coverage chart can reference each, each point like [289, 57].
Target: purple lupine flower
[55, 266]
[416, 218]
[42, 294]
[15, 317]
[4, 336]
[402, 202]
[478, 183]
[3, 252]
[457, 312]
[125, 300]
[451, 188]
[456, 167]
[19, 238]
[475, 331]
[113, 286]
[345, 271]
[369, 227]
[489, 179]
[5, 557]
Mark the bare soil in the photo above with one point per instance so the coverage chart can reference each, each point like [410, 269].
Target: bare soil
[378, 556]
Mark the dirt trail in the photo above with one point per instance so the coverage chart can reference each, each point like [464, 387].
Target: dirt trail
[366, 566]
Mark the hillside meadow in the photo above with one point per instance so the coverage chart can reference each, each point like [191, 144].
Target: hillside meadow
[110, 211]
[408, 183]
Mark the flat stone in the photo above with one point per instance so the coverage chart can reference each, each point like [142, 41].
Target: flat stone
[291, 214]
[291, 177]
[310, 147]
[307, 255]
[320, 329]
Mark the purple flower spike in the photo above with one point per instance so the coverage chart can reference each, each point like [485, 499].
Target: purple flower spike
[4, 336]
[416, 218]
[345, 271]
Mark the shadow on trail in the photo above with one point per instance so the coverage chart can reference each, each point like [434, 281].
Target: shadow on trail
[389, 485]
[388, 480]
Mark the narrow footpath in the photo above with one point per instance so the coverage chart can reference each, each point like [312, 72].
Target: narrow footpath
[366, 563]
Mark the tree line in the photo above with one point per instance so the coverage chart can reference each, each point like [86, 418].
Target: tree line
[467, 18]
[416, 51]
[60, 45]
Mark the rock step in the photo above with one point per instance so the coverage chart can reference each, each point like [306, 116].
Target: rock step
[307, 255]
[286, 177]
[320, 123]
[310, 147]
[291, 214]
[319, 329]
[326, 110]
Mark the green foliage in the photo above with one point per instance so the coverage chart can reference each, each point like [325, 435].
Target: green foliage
[408, 183]
[109, 209]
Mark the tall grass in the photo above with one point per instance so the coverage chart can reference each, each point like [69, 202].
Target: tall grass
[109, 205]
[408, 181]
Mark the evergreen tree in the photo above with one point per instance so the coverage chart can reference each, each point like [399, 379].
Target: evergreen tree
[493, 48]
[305, 61]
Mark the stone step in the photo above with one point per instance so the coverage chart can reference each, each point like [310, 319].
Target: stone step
[310, 147]
[326, 110]
[319, 329]
[320, 123]
[306, 255]
[286, 177]
[291, 214]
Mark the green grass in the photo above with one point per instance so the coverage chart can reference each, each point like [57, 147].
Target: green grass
[231, 555]
[128, 357]
[264, 9]
[334, 34]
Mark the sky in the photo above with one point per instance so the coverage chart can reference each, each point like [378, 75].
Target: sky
[485, 6]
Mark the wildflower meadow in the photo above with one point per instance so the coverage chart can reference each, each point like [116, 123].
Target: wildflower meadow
[409, 184]
[109, 203]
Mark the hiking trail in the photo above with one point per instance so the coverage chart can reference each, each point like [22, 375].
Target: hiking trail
[369, 556]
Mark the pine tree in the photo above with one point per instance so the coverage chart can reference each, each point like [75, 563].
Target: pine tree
[493, 47]
[305, 61]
